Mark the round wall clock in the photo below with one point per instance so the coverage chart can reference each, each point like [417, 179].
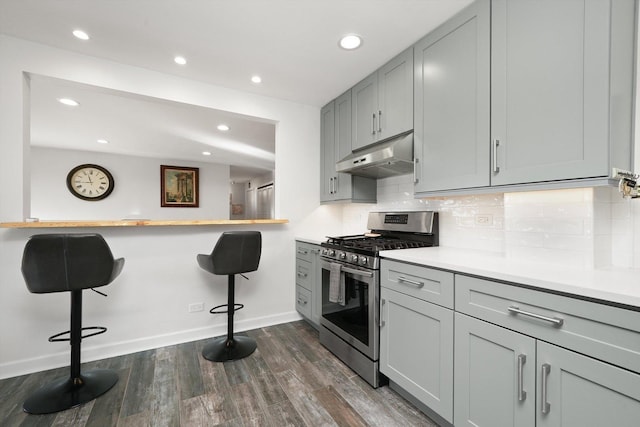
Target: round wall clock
[90, 182]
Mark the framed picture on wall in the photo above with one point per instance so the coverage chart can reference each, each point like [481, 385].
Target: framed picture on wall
[179, 187]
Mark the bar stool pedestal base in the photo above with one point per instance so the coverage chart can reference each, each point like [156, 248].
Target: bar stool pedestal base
[223, 349]
[66, 393]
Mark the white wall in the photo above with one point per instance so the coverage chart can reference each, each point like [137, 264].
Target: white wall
[136, 193]
[147, 305]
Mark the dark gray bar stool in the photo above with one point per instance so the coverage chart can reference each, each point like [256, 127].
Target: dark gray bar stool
[236, 252]
[70, 263]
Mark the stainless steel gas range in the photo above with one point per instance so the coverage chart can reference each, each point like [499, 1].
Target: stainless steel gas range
[350, 268]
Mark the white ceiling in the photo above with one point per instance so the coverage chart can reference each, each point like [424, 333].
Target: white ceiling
[291, 44]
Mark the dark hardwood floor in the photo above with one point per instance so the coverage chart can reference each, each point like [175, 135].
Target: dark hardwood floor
[291, 380]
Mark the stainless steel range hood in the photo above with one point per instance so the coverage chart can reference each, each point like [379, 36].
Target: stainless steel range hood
[389, 158]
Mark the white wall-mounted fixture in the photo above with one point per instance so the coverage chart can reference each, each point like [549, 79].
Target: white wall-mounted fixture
[256, 79]
[180, 60]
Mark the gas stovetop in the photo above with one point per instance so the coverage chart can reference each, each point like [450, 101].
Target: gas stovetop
[389, 230]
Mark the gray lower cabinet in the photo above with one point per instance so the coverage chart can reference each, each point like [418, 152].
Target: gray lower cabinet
[529, 358]
[416, 336]
[308, 296]
[488, 362]
[501, 374]
[335, 144]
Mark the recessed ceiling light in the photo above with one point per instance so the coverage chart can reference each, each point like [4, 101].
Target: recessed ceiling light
[103, 141]
[79, 34]
[350, 41]
[256, 79]
[206, 153]
[180, 60]
[223, 128]
[68, 101]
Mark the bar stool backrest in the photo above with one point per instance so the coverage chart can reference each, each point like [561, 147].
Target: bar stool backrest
[235, 252]
[67, 262]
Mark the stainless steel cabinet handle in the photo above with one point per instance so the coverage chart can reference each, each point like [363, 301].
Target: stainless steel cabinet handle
[555, 320]
[411, 282]
[302, 302]
[303, 251]
[522, 394]
[335, 184]
[330, 185]
[496, 168]
[546, 370]
[302, 274]
[379, 121]
[373, 124]
[415, 170]
[358, 272]
[382, 302]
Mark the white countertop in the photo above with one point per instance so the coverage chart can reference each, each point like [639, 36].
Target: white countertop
[617, 285]
[312, 240]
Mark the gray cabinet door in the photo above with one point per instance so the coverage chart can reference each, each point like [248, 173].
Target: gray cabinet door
[451, 134]
[364, 105]
[327, 152]
[343, 181]
[487, 381]
[416, 349]
[395, 96]
[549, 90]
[581, 391]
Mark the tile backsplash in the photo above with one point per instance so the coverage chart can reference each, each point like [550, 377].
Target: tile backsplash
[582, 226]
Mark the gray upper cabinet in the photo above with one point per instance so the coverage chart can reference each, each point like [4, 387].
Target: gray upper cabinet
[552, 65]
[335, 144]
[451, 134]
[383, 102]
[525, 93]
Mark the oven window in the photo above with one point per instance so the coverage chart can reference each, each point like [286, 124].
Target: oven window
[353, 317]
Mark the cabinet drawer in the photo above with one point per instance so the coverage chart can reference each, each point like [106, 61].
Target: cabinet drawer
[303, 301]
[304, 251]
[428, 284]
[303, 273]
[607, 333]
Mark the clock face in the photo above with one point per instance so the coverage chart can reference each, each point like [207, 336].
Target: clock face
[90, 182]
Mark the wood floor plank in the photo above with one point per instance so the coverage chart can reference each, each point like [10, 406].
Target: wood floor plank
[268, 387]
[302, 399]
[283, 414]
[165, 410]
[106, 409]
[206, 410]
[74, 417]
[237, 372]
[404, 409]
[141, 419]
[248, 401]
[139, 392]
[189, 374]
[339, 408]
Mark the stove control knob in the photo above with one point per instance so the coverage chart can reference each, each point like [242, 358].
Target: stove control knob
[363, 260]
[354, 258]
[325, 251]
[342, 255]
[332, 253]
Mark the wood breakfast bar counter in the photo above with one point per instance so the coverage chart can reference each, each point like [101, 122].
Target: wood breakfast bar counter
[138, 223]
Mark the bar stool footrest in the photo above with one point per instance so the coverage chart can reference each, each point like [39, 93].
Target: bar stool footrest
[215, 310]
[223, 350]
[99, 329]
[66, 393]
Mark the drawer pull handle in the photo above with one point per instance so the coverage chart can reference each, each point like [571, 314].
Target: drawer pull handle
[302, 274]
[546, 370]
[302, 251]
[411, 282]
[555, 320]
[522, 394]
[381, 324]
[302, 302]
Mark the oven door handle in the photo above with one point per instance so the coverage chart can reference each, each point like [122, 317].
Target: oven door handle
[358, 272]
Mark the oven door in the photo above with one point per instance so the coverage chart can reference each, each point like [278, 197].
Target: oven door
[356, 321]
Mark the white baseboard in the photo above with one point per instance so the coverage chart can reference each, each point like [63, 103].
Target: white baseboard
[57, 360]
